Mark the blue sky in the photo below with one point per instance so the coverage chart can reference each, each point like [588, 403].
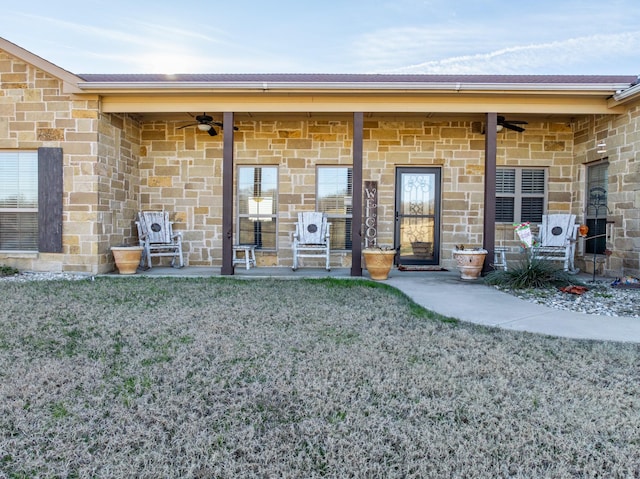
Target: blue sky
[341, 36]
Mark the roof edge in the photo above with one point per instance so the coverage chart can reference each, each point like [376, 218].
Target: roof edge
[70, 80]
[606, 87]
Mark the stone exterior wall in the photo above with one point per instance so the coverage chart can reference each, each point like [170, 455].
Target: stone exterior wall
[181, 171]
[117, 173]
[622, 137]
[35, 113]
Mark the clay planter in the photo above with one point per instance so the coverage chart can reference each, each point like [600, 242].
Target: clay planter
[470, 262]
[378, 262]
[127, 258]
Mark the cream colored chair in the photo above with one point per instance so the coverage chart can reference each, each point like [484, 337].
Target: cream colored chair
[557, 240]
[311, 238]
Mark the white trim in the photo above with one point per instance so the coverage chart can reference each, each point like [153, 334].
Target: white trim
[373, 85]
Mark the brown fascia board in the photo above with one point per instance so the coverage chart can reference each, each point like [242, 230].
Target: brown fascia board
[596, 84]
[69, 80]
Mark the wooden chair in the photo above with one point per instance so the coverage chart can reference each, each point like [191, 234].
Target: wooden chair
[311, 238]
[155, 233]
[557, 240]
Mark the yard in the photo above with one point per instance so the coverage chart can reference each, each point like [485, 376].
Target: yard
[225, 378]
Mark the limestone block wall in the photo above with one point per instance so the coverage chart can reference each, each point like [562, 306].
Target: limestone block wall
[35, 113]
[117, 173]
[181, 171]
[622, 137]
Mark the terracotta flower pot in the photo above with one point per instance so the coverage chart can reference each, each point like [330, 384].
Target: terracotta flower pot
[470, 262]
[127, 258]
[378, 262]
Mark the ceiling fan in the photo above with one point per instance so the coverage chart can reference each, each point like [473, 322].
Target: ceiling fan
[511, 124]
[206, 123]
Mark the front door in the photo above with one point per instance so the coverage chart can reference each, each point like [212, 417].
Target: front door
[417, 232]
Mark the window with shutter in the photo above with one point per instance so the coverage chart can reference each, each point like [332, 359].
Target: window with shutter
[19, 201]
[520, 194]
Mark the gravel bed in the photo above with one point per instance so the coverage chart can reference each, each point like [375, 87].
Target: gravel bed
[23, 277]
[601, 298]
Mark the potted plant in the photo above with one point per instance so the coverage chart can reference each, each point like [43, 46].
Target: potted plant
[379, 260]
[469, 261]
[127, 257]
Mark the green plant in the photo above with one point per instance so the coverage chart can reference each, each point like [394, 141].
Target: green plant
[532, 273]
[7, 271]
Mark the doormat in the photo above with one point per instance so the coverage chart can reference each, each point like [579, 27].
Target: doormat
[412, 267]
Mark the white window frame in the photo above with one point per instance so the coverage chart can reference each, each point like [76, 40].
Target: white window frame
[20, 184]
[259, 208]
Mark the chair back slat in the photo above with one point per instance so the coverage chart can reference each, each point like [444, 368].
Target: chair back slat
[312, 227]
[155, 224]
[557, 230]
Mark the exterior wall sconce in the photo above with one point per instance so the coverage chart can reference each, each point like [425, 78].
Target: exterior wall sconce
[602, 148]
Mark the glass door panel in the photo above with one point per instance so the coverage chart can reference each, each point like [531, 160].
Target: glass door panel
[418, 215]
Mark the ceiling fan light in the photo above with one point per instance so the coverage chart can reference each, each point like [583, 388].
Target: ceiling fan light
[204, 127]
[499, 128]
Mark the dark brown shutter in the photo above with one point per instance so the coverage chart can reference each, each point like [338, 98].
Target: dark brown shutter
[50, 200]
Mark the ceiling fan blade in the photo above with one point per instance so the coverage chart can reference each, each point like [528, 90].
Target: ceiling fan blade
[212, 131]
[186, 126]
[221, 125]
[512, 127]
[517, 122]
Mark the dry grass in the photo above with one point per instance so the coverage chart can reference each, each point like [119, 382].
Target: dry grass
[150, 378]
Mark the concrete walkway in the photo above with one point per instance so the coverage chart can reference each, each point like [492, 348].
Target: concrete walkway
[472, 301]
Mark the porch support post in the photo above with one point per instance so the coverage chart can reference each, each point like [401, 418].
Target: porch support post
[227, 194]
[490, 147]
[356, 221]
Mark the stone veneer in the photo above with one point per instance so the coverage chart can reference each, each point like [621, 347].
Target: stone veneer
[100, 165]
[181, 170]
[622, 137]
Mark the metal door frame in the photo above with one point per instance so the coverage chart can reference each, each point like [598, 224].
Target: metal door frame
[427, 170]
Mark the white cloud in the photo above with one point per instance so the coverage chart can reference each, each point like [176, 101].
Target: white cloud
[601, 54]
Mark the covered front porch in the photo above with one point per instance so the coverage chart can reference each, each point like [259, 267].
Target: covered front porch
[284, 139]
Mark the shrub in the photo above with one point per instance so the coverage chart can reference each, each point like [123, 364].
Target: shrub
[532, 273]
[7, 270]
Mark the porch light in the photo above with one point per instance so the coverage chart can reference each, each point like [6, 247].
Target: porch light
[602, 148]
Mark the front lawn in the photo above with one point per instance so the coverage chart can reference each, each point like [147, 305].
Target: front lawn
[225, 378]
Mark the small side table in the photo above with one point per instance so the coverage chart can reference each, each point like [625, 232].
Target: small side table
[249, 257]
[500, 258]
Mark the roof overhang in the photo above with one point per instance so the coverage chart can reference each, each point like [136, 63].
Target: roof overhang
[353, 87]
[367, 93]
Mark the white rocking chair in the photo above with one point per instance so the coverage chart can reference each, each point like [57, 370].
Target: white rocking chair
[311, 238]
[557, 240]
[155, 233]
